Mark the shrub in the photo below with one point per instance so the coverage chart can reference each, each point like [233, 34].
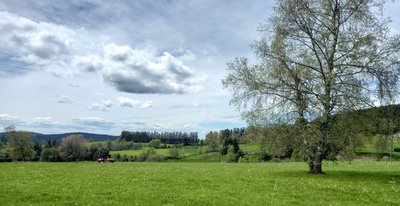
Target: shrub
[396, 149]
[116, 156]
[155, 158]
[50, 155]
[132, 158]
[385, 158]
[231, 156]
[173, 152]
[142, 157]
[137, 146]
[5, 157]
[264, 156]
[155, 143]
[243, 160]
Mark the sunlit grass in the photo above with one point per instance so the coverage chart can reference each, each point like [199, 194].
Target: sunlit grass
[88, 183]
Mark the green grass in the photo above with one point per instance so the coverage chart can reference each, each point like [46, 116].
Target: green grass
[184, 151]
[88, 183]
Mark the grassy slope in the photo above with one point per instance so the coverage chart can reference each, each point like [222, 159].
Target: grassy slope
[197, 184]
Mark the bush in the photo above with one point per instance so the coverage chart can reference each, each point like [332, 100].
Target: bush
[50, 155]
[132, 158]
[264, 156]
[117, 157]
[137, 146]
[243, 160]
[155, 158]
[396, 149]
[5, 157]
[142, 157]
[155, 143]
[124, 158]
[173, 152]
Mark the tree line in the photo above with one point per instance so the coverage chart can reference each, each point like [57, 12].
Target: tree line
[20, 147]
[165, 137]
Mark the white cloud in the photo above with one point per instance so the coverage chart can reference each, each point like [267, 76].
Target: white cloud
[195, 104]
[6, 119]
[128, 102]
[42, 122]
[141, 71]
[45, 45]
[64, 100]
[107, 103]
[96, 122]
[65, 51]
[104, 106]
[97, 107]
[146, 104]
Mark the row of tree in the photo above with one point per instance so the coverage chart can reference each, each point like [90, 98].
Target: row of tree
[165, 137]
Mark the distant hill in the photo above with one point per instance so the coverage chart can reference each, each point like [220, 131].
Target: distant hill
[374, 120]
[46, 137]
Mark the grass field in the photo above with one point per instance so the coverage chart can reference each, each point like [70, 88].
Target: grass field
[87, 183]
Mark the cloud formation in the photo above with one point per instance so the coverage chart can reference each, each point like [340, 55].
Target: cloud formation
[128, 102]
[64, 100]
[65, 51]
[92, 122]
[6, 119]
[141, 71]
[42, 122]
[104, 106]
[146, 104]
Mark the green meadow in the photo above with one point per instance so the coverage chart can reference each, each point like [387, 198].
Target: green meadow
[89, 183]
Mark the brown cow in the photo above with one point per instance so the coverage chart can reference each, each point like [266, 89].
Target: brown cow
[110, 159]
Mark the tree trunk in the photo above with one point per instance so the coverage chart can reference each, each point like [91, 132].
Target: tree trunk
[316, 165]
[311, 165]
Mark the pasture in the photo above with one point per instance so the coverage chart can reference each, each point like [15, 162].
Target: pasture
[89, 183]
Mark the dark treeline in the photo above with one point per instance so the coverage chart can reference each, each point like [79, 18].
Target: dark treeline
[165, 137]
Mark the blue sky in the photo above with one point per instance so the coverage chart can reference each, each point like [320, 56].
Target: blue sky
[107, 66]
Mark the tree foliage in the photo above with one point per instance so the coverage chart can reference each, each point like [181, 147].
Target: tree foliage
[73, 147]
[19, 145]
[317, 58]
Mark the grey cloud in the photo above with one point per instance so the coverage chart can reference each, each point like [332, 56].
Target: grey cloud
[141, 71]
[42, 122]
[63, 51]
[107, 103]
[64, 100]
[41, 40]
[49, 47]
[104, 106]
[97, 107]
[92, 122]
[128, 102]
[6, 120]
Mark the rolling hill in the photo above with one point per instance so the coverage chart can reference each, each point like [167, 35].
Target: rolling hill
[46, 137]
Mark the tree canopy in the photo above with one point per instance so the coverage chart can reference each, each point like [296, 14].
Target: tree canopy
[317, 58]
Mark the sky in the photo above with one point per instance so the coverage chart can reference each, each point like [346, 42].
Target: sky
[107, 66]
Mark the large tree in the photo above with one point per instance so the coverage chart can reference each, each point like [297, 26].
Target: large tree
[318, 58]
[19, 144]
[73, 147]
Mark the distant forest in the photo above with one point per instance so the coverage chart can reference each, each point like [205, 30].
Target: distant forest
[165, 137]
